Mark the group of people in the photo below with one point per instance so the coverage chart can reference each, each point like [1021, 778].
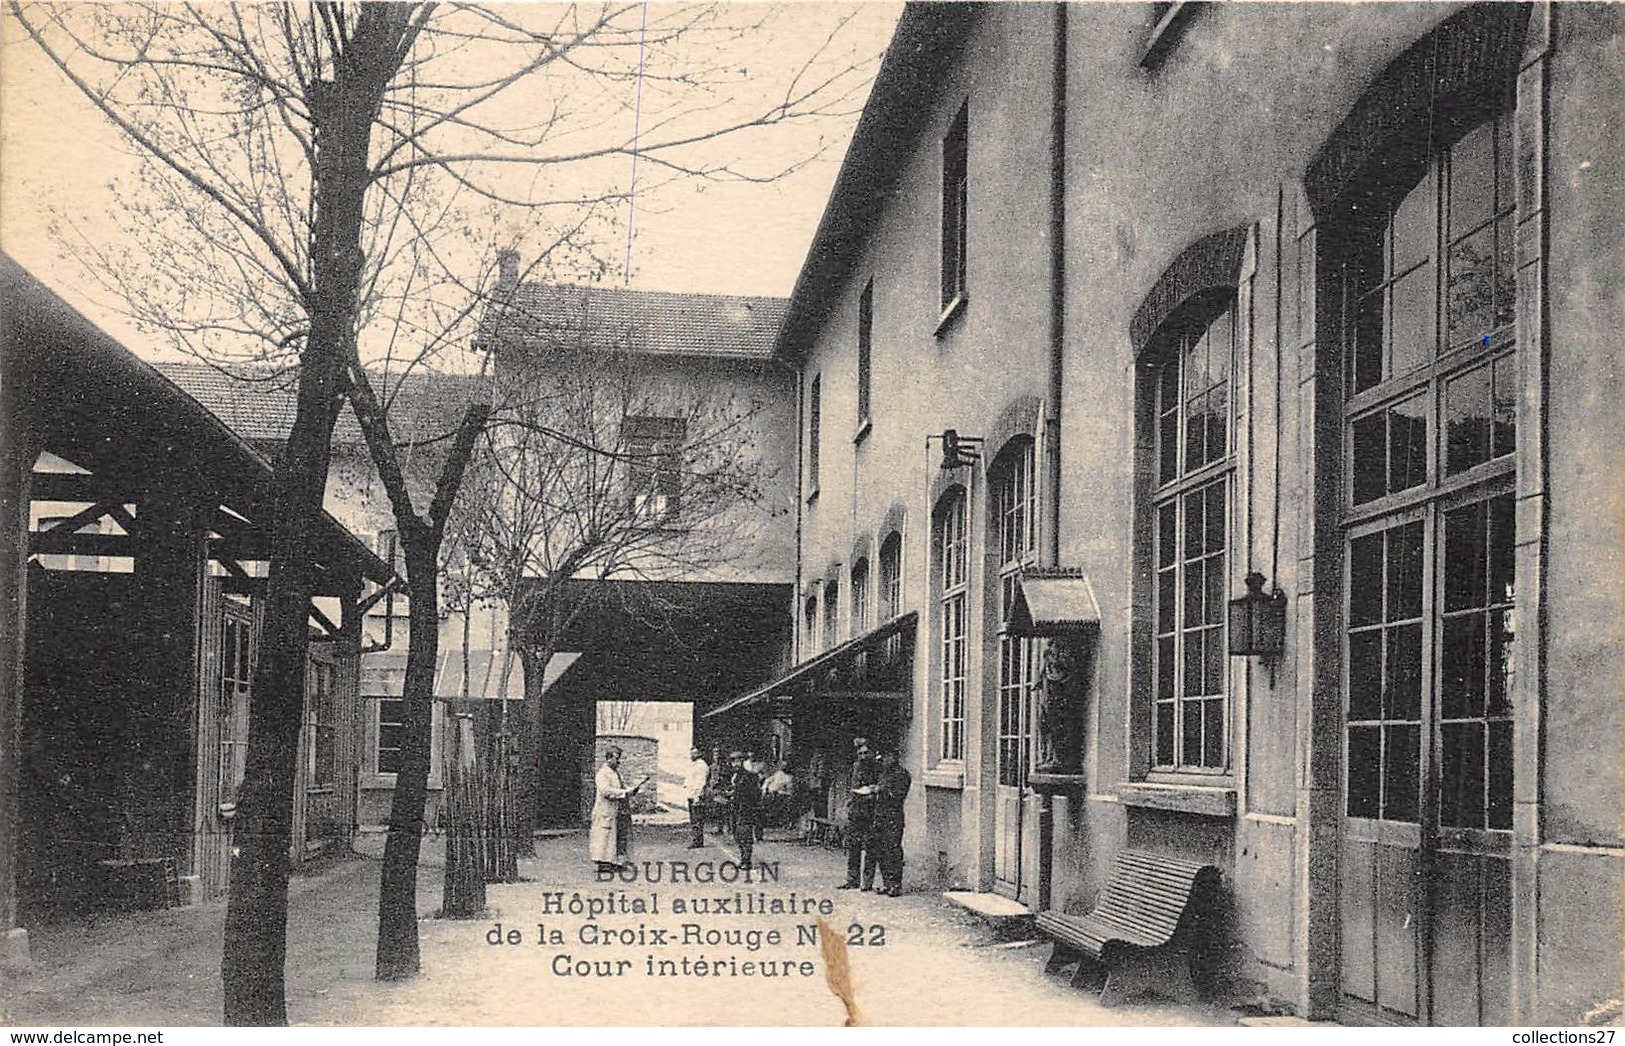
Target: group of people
[874, 820]
[747, 800]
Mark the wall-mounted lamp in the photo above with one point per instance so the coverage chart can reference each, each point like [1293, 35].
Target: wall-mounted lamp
[1258, 620]
[957, 450]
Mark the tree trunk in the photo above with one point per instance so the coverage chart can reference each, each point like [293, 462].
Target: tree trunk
[341, 112]
[255, 946]
[398, 956]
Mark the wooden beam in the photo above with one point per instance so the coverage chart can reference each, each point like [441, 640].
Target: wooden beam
[323, 620]
[56, 542]
[79, 486]
[82, 518]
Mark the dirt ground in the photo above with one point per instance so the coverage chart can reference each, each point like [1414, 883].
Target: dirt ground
[937, 965]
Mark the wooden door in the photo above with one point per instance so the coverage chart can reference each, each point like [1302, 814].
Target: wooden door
[1424, 863]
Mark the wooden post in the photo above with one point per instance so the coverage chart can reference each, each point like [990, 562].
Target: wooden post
[18, 449]
[463, 895]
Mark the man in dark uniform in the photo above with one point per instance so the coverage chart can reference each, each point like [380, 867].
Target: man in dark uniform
[745, 800]
[860, 817]
[887, 836]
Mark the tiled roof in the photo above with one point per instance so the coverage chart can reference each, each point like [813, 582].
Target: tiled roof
[259, 405]
[715, 325]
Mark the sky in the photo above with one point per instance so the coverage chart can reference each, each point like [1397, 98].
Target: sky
[58, 155]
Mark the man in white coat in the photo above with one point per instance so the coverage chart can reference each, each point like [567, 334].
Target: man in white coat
[609, 840]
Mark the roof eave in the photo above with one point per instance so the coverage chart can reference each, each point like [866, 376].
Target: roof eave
[913, 66]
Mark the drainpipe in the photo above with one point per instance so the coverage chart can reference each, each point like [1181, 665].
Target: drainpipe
[1050, 552]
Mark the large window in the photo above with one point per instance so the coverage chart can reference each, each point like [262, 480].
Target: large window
[955, 200]
[1191, 506]
[860, 597]
[391, 734]
[953, 577]
[1015, 508]
[654, 455]
[866, 323]
[1429, 371]
[815, 410]
[832, 613]
[236, 683]
[323, 732]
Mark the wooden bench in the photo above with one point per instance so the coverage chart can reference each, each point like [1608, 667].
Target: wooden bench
[1131, 933]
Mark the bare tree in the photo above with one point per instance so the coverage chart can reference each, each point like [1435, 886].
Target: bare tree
[609, 469]
[318, 183]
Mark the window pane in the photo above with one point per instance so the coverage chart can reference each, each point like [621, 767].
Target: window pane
[1166, 521]
[1365, 567]
[1213, 670]
[1194, 587]
[1504, 406]
[1470, 298]
[1218, 416]
[1366, 368]
[1462, 669]
[1215, 601]
[1411, 302]
[1467, 420]
[1472, 180]
[1502, 554]
[1168, 447]
[1400, 772]
[1193, 664]
[1500, 663]
[1196, 434]
[1168, 386]
[1500, 775]
[1193, 527]
[1407, 444]
[1405, 572]
[1403, 673]
[1464, 558]
[1191, 731]
[1165, 667]
[1365, 675]
[1370, 466]
[1461, 775]
[1216, 517]
[1213, 733]
[1506, 281]
[1165, 733]
[1221, 336]
[1412, 227]
[1364, 768]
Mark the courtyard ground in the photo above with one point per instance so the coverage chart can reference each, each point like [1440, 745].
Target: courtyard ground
[937, 965]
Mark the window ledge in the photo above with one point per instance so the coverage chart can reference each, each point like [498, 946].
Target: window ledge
[863, 430]
[1203, 800]
[943, 777]
[950, 312]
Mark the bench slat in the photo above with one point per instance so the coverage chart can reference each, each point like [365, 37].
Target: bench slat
[1143, 904]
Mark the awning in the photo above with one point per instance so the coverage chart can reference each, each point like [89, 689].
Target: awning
[831, 658]
[1053, 601]
[384, 675]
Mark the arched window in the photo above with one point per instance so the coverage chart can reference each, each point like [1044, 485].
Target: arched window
[891, 576]
[860, 597]
[1191, 373]
[809, 625]
[1429, 417]
[951, 555]
[1015, 512]
[832, 613]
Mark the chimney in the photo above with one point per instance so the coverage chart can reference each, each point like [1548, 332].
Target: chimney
[507, 270]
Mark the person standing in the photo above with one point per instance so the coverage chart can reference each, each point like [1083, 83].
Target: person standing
[887, 846]
[860, 817]
[694, 787]
[745, 800]
[609, 840]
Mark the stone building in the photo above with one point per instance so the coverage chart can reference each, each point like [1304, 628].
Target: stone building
[1114, 307]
